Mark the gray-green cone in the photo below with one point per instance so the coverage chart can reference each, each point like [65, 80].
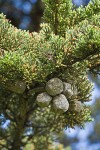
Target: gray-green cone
[18, 87]
[60, 103]
[76, 106]
[54, 86]
[68, 92]
[43, 99]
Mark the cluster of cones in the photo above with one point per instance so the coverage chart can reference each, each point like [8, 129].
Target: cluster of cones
[58, 94]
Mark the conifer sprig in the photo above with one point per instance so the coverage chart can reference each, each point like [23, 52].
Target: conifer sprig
[55, 60]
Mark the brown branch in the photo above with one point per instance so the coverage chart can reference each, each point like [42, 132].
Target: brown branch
[86, 57]
[56, 20]
[36, 90]
[31, 110]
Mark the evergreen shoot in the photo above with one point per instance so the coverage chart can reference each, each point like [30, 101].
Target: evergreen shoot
[44, 76]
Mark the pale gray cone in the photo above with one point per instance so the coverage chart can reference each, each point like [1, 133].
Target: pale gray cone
[54, 86]
[68, 92]
[60, 103]
[43, 99]
[18, 87]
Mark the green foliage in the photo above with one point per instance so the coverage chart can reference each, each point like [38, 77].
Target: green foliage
[61, 14]
[57, 14]
[67, 47]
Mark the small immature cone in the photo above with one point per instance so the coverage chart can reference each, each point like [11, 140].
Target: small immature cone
[68, 92]
[18, 87]
[77, 106]
[54, 86]
[43, 99]
[60, 103]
